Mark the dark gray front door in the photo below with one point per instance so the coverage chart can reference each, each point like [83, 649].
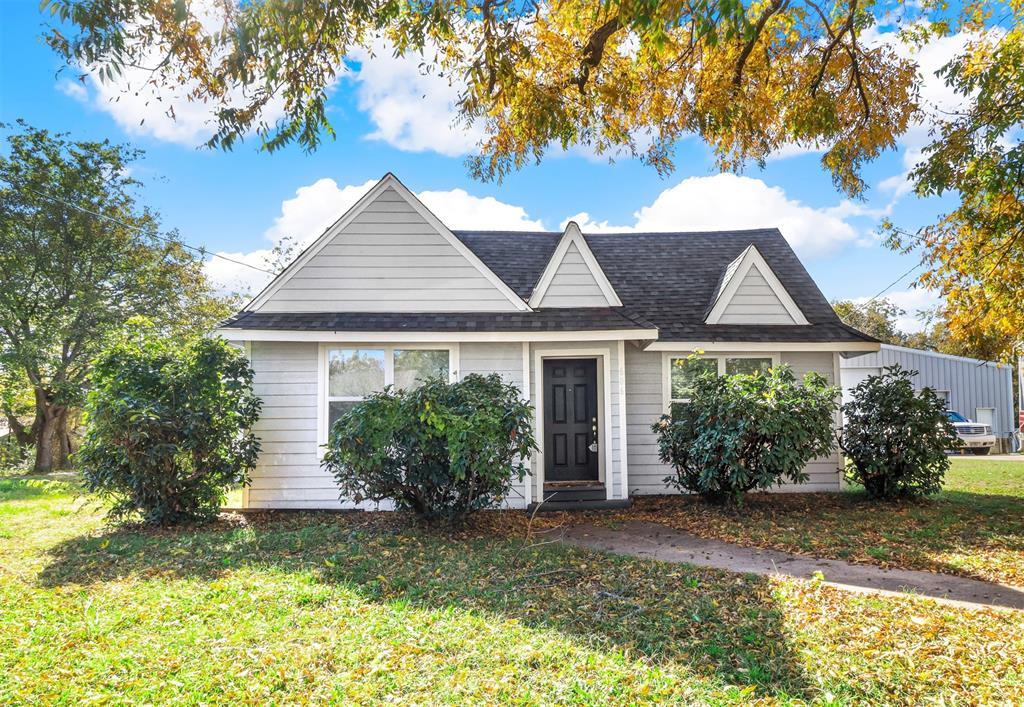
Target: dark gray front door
[570, 419]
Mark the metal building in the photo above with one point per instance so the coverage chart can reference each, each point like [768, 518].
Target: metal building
[979, 390]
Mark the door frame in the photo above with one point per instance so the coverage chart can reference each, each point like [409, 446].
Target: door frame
[604, 408]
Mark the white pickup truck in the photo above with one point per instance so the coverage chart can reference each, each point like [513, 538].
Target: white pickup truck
[975, 437]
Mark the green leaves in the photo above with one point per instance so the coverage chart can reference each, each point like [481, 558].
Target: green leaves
[169, 427]
[895, 437]
[443, 449]
[740, 433]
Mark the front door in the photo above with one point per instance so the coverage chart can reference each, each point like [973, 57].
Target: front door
[570, 419]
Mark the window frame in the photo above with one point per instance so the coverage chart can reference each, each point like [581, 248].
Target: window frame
[324, 398]
[666, 369]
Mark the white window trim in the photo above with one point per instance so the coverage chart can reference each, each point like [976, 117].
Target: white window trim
[946, 395]
[752, 258]
[323, 382]
[573, 235]
[666, 369]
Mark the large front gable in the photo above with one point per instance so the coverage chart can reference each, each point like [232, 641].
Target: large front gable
[388, 253]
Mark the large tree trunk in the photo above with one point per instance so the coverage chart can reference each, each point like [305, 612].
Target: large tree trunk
[49, 415]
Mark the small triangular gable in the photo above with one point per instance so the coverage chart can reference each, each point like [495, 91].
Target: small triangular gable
[388, 253]
[573, 277]
[750, 293]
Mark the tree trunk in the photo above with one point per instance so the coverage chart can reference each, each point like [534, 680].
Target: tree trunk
[48, 415]
[62, 459]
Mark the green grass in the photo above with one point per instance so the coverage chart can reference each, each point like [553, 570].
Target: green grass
[974, 527]
[361, 609]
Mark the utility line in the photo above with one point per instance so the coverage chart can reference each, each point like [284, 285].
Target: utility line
[154, 233]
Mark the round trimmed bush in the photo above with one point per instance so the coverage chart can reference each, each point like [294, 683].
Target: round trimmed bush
[442, 450]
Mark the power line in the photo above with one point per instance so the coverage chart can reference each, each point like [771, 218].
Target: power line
[166, 238]
[893, 283]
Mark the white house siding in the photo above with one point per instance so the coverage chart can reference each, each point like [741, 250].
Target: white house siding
[754, 302]
[971, 383]
[288, 474]
[505, 359]
[573, 284]
[645, 403]
[567, 350]
[389, 258]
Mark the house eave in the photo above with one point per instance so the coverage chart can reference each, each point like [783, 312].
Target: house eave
[840, 346]
[407, 336]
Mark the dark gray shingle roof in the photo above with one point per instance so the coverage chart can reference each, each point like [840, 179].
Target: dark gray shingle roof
[670, 278]
[598, 318]
[665, 281]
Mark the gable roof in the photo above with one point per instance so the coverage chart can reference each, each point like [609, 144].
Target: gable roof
[749, 270]
[389, 188]
[572, 250]
[667, 281]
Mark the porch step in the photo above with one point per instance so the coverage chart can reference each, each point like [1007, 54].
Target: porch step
[574, 492]
[602, 505]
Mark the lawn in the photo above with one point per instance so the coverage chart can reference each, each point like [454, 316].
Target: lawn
[364, 608]
[974, 528]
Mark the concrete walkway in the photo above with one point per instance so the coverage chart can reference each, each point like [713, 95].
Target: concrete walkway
[659, 542]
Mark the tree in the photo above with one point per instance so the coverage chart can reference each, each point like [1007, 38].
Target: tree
[78, 257]
[876, 318]
[975, 254]
[169, 426]
[748, 78]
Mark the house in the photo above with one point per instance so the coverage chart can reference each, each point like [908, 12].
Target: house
[979, 390]
[588, 326]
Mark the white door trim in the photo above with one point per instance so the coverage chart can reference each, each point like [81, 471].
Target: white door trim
[604, 404]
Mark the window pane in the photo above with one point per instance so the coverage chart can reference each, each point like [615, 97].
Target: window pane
[685, 370]
[413, 366]
[747, 366]
[355, 372]
[337, 408]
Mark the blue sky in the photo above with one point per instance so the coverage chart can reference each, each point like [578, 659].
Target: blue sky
[390, 119]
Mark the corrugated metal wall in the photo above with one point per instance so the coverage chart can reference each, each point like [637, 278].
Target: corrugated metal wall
[971, 383]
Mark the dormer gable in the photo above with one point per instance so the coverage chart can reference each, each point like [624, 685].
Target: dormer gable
[573, 277]
[388, 253]
[750, 293]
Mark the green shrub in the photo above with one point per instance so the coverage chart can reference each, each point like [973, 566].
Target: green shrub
[746, 432]
[443, 449]
[896, 438]
[168, 427]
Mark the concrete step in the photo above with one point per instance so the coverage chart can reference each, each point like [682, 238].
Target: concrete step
[601, 505]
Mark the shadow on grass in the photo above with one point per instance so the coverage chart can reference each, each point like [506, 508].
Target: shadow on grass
[719, 626]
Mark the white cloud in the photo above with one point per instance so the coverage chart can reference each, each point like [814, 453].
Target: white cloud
[728, 201]
[316, 206]
[74, 89]
[913, 301]
[411, 110]
[141, 104]
[936, 98]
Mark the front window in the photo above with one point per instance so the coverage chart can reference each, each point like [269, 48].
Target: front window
[354, 373]
[684, 370]
[747, 366]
